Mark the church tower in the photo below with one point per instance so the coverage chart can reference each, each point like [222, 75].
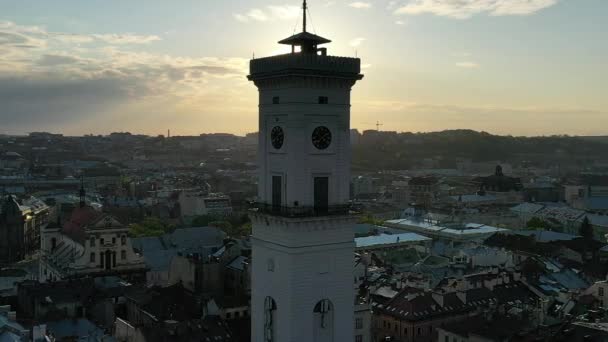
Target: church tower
[303, 243]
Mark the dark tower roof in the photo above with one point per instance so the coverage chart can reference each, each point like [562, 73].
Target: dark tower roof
[306, 40]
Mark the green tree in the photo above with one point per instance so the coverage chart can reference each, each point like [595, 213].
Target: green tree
[150, 226]
[537, 223]
[203, 220]
[586, 230]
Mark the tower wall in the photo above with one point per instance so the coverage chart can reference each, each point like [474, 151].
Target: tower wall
[302, 259]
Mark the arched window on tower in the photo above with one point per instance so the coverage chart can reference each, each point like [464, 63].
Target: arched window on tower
[323, 321]
[270, 308]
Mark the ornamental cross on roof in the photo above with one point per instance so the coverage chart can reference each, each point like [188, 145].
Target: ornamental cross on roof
[307, 41]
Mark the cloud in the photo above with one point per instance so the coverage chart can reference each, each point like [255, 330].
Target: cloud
[464, 9]
[356, 42]
[48, 78]
[400, 22]
[360, 5]
[467, 65]
[126, 38]
[270, 13]
[54, 60]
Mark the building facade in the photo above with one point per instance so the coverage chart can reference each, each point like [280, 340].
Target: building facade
[302, 241]
[91, 243]
[21, 221]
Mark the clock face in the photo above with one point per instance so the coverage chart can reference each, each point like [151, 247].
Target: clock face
[277, 137]
[321, 137]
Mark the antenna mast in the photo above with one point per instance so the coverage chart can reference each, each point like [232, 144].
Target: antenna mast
[304, 8]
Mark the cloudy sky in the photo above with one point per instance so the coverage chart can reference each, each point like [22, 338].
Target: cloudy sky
[521, 67]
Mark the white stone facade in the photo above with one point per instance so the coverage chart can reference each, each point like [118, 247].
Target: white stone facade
[105, 250]
[303, 249]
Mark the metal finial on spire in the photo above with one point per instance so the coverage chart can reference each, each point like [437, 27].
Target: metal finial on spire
[304, 8]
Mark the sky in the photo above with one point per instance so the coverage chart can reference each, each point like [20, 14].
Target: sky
[511, 67]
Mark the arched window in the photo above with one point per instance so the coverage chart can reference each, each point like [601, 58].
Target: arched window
[270, 308]
[323, 321]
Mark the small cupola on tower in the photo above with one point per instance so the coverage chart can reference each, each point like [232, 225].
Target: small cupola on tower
[307, 41]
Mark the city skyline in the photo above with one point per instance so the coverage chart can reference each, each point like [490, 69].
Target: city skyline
[506, 67]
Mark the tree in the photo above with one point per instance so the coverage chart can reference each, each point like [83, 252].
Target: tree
[150, 226]
[537, 223]
[203, 220]
[586, 230]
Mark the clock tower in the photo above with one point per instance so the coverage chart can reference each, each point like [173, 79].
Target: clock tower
[303, 243]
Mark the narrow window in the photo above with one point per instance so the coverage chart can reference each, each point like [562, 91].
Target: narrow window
[123, 240]
[101, 241]
[123, 255]
[53, 243]
[321, 194]
[276, 100]
[323, 100]
[92, 241]
[113, 240]
[92, 257]
[277, 195]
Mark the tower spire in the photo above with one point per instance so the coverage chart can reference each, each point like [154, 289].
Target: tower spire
[304, 8]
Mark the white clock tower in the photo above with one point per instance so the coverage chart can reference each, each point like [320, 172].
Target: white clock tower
[303, 243]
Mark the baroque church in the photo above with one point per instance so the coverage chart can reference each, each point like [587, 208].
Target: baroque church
[90, 243]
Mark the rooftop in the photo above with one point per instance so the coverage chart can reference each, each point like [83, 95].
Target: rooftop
[385, 240]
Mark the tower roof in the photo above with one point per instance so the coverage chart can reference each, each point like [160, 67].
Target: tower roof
[306, 40]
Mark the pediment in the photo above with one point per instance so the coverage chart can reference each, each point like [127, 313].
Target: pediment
[105, 221]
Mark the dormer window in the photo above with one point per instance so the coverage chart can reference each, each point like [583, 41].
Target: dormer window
[276, 100]
[323, 100]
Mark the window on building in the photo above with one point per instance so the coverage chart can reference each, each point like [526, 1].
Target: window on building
[123, 255]
[113, 240]
[447, 339]
[601, 291]
[92, 241]
[53, 243]
[101, 241]
[323, 100]
[419, 331]
[405, 331]
[276, 100]
[123, 240]
[228, 315]
[92, 257]
[359, 323]
[101, 259]
[388, 325]
[359, 338]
